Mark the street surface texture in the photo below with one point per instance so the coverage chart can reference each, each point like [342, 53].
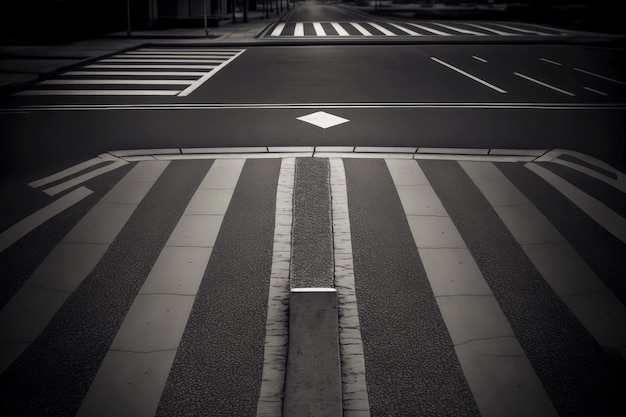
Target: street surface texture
[482, 288]
[488, 96]
[465, 198]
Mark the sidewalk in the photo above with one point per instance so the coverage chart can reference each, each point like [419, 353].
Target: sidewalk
[24, 64]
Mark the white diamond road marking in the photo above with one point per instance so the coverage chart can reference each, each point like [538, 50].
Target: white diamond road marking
[323, 119]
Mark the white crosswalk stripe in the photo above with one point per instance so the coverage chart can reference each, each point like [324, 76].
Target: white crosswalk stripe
[185, 68]
[140, 358]
[392, 29]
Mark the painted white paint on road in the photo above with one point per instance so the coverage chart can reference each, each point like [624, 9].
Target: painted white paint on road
[270, 402]
[136, 73]
[288, 106]
[431, 30]
[596, 91]
[299, 30]
[341, 31]
[479, 58]
[600, 76]
[361, 29]
[187, 50]
[598, 211]
[179, 60]
[221, 57]
[382, 29]
[30, 223]
[147, 66]
[534, 32]
[278, 29]
[461, 30]
[30, 310]
[460, 71]
[149, 336]
[319, 29]
[113, 164]
[105, 157]
[493, 362]
[354, 384]
[405, 30]
[549, 61]
[497, 32]
[595, 306]
[526, 77]
[204, 78]
[114, 81]
[97, 93]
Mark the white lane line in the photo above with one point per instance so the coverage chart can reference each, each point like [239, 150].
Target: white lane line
[140, 66]
[278, 29]
[604, 216]
[97, 93]
[115, 164]
[562, 31]
[196, 56]
[405, 30]
[483, 82]
[299, 30]
[427, 29]
[137, 73]
[270, 402]
[216, 54]
[620, 185]
[149, 336]
[180, 61]
[185, 51]
[385, 31]
[203, 79]
[285, 106]
[596, 91]
[361, 29]
[354, 384]
[599, 76]
[549, 61]
[72, 170]
[112, 81]
[561, 266]
[493, 362]
[30, 223]
[319, 29]
[497, 32]
[30, 310]
[479, 58]
[524, 30]
[553, 156]
[341, 31]
[465, 31]
[526, 77]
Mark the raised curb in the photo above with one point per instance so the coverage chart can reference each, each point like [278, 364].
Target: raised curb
[313, 382]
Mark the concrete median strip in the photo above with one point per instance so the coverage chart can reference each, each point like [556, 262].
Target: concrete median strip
[313, 384]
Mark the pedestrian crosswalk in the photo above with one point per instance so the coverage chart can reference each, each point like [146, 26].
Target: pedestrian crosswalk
[391, 29]
[141, 72]
[466, 284]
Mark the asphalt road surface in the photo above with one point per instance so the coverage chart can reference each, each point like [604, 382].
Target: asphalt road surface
[481, 288]
[485, 96]
[486, 282]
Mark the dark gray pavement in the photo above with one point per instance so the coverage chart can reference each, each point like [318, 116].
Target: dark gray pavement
[414, 361]
[469, 282]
